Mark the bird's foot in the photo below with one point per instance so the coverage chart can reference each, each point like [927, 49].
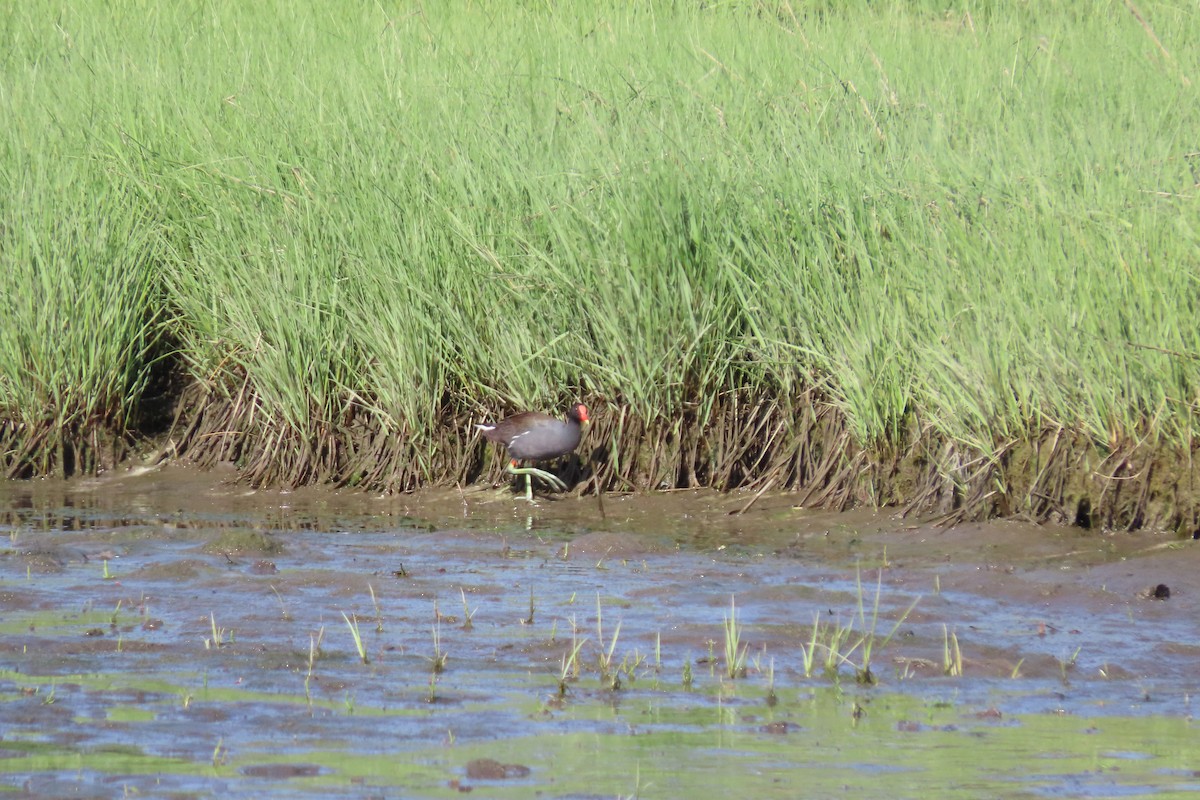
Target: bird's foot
[550, 478]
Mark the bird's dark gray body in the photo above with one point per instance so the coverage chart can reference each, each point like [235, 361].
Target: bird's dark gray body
[533, 436]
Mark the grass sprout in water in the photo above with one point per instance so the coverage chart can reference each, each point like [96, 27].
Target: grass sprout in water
[833, 645]
[735, 649]
[359, 645]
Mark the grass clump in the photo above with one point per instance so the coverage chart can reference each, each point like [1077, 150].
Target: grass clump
[834, 645]
[735, 648]
[80, 311]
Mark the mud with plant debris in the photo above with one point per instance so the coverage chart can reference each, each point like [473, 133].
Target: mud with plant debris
[172, 633]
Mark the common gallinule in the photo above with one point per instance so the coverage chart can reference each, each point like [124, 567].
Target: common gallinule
[532, 436]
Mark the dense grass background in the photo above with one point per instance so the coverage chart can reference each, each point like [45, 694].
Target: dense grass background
[356, 223]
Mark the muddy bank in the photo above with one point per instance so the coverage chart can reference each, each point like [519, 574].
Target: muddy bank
[751, 441]
[801, 445]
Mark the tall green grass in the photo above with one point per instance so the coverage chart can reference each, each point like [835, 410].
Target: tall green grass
[78, 294]
[973, 219]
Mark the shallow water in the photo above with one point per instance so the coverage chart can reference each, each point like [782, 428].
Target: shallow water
[174, 635]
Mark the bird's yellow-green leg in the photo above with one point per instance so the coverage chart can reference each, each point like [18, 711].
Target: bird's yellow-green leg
[548, 477]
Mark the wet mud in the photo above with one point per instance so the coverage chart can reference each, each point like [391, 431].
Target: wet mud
[172, 633]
